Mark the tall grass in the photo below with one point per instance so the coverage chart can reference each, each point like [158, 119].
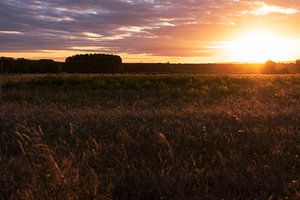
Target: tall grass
[151, 137]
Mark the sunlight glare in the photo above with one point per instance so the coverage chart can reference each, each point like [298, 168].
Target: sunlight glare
[258, 46]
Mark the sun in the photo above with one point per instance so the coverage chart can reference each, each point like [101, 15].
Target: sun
[259, 46]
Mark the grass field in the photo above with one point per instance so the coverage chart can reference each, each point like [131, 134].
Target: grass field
[150, 137]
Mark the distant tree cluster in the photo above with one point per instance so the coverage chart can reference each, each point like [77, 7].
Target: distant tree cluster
[21, 65]
[270, 67]
[93, 63]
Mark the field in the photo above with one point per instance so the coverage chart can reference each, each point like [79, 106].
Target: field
[150, 137]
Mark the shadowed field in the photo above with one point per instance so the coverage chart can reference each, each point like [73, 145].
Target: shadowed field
[150, 137]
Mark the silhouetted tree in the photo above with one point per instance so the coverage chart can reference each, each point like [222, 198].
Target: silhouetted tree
[270, 67]
[297, 66]
[93, 63]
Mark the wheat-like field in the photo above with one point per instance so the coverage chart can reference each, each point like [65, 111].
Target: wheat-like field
[150, 137]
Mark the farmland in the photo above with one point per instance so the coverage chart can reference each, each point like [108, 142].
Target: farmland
[150, 137]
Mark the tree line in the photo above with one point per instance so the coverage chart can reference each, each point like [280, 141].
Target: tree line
[105, 63]
[87, 63]
[23, 66]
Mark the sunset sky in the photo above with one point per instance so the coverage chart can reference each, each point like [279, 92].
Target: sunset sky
[179, 31]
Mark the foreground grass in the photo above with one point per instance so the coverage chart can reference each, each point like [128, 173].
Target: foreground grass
[150, 137]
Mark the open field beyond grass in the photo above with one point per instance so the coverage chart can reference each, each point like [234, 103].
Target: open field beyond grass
[150, 137]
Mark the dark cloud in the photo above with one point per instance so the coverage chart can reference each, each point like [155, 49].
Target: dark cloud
[158, 27]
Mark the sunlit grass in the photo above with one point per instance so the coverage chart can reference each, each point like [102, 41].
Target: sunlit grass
[150, 137]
